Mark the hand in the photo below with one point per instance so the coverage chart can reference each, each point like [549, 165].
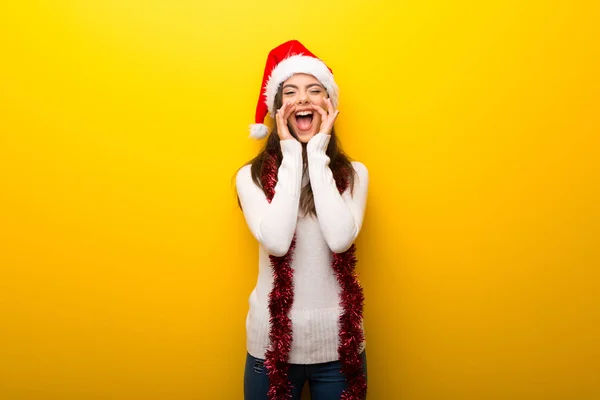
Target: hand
[327, 118]
[281, 117]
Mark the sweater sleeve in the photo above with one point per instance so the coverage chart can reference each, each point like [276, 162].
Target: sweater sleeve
[274, 224]
[340, 215]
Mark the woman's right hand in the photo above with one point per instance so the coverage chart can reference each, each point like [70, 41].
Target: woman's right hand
[281, 117]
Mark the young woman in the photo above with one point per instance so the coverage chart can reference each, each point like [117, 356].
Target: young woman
[304, 202]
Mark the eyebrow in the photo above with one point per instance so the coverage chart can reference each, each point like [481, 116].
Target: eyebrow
[289, 85]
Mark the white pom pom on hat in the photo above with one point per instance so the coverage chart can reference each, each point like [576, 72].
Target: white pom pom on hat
[284, 61]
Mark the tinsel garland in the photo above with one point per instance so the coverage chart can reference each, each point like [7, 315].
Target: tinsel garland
[281, 299]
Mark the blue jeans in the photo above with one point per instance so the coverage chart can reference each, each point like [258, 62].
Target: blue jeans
[325, 380]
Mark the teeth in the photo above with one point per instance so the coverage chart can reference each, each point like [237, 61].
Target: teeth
[303, 113]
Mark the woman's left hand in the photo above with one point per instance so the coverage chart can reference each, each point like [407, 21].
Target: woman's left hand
[327, 117]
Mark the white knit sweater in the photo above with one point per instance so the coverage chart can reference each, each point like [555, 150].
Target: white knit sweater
[316, 309]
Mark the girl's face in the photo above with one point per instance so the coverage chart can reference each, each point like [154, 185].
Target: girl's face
[304, 91]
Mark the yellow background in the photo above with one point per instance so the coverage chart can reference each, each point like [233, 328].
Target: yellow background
[126, 265]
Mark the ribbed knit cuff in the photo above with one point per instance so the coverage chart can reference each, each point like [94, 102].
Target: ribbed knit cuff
[318, 144]
[289, 175]
[321, 177]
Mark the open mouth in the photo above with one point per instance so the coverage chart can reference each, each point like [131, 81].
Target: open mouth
[304, 120]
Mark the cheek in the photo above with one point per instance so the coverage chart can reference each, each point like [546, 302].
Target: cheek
[320, 101]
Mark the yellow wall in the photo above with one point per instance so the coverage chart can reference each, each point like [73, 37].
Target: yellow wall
[125, 265]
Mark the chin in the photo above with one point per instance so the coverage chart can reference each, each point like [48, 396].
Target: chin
[305, 137]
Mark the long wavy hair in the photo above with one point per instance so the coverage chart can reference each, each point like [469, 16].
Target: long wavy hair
[340, 164]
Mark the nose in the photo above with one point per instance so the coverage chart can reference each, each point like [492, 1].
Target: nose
[302, 98]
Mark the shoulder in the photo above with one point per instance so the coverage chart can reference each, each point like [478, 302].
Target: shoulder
[361, 177]
[360, 169]
[244, 176]
[244, 171]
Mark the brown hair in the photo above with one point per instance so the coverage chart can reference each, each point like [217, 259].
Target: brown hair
[339, 164]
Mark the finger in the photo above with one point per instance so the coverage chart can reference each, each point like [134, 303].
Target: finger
[320, 110]
[282, 110]
[289, 112]
[284, 106]
[285, 110]
[282, 117]
[330, 109]
[281, 125]
[335, 115]
[325, 123]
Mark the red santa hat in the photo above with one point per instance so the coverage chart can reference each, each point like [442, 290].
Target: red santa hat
[284, 61]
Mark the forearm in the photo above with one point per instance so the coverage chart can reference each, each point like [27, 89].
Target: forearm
[337, 220]
[273, 224]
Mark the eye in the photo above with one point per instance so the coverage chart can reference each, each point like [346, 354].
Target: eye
[288, 93]
[315, 91]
